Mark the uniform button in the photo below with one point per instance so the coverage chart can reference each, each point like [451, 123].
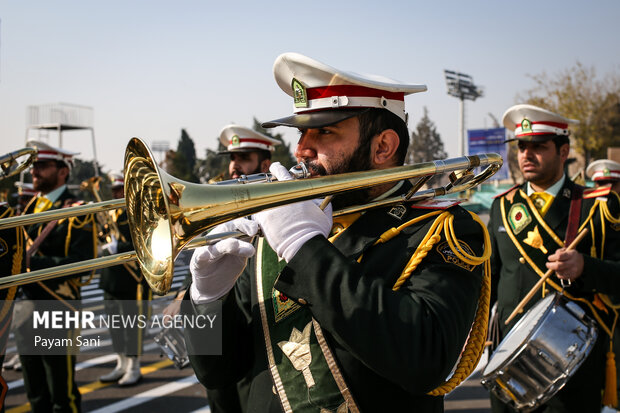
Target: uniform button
[522, 260]
[302, 301]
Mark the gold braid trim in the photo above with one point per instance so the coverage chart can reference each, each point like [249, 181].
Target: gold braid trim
[540, 219]
[16, 267]
[430, 239]
[75, 222]
[474, 347]
[477, 336]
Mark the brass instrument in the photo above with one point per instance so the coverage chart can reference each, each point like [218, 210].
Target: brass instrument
[10, 165]
[108, 226]
[165, 213]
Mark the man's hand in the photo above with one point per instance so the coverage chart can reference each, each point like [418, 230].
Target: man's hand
[215, 268]
[287, 228]
[567, 264]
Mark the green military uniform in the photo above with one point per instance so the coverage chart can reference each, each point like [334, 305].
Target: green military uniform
[514, 274]
[11, 257]
[126, 292]
[327, 332]
[50, 379]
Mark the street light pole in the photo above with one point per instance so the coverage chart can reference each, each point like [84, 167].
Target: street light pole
[462, 87]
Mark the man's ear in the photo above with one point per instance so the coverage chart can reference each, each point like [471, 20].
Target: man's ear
[564, 151]
[264, 165]
[64, 173]
[384, 147]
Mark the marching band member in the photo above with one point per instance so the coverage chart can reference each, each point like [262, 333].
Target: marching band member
[369, 314]
[124, 292]
[605, 172]
[49, 379]
[530, 226]
[250, 151]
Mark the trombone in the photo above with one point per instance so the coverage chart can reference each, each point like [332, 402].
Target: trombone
[9, 164]
[166, 214]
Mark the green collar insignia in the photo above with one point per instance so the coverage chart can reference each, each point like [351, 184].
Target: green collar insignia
[299, 94]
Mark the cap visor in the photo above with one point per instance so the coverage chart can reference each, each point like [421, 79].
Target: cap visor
[315, 119]
[532, 138]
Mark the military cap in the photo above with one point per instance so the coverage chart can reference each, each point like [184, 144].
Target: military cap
[604, 170]
[241, 139]
[117, 179]
[533, 124]
[323, 95]
[46, 152]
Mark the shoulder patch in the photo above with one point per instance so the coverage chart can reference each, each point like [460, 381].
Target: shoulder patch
[596, 192]
[450, 257]
[4, 248]
[436, 204]
[514, 188]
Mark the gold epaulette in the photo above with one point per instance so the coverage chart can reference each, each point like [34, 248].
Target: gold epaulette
[596, 192]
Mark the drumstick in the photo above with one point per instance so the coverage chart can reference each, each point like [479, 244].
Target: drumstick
[519, 308]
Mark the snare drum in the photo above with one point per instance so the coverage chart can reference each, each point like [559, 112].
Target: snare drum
[540, 354]
[172, 343]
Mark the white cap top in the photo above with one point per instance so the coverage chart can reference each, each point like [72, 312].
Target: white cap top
[531, 123]
[47, 152]
[241, 139]
[604, 170]
[116, 179]
[317, 87]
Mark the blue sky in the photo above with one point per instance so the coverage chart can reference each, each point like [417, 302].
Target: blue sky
[151, 68]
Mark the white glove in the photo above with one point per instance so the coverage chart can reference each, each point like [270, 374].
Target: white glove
[112, 246]
[215, 268]
[289, 227]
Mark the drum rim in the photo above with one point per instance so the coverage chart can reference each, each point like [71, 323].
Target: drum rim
[552, 299]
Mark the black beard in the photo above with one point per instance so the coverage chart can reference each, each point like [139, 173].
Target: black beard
[45, 186]
[240, 172]
[358, 161]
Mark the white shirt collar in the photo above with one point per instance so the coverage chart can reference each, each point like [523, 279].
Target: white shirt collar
[552, 190]
[55, 194]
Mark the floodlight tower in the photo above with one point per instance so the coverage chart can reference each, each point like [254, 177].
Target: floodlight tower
[462, 87]
[161, 147]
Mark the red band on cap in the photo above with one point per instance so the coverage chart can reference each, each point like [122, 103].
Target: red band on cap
[554, 124]
[535, 133]
[351, 90]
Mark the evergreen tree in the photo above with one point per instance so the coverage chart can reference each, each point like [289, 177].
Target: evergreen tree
[185, 158]
[426, 144]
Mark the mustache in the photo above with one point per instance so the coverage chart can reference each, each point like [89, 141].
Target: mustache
[314, 168]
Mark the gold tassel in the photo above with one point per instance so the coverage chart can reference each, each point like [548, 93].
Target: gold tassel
[139, 293]
[610, 396]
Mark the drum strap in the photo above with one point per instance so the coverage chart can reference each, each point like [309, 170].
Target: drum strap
[573, 214]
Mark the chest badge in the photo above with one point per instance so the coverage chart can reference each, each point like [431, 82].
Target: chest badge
[519, 217]
[282, 305]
